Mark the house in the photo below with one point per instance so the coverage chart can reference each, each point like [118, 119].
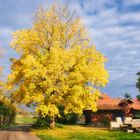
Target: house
[110, 108]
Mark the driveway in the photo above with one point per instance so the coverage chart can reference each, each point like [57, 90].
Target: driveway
[17, 133]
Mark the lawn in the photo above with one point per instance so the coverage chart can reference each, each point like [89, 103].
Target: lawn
[75, 132]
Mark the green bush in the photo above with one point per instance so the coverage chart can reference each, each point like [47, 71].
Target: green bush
[68, 118]
[105, 121]
[137, 115]
[41, 123]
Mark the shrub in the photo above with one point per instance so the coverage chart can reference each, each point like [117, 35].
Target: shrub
[70, 118]
[105, 121]
[41, 123]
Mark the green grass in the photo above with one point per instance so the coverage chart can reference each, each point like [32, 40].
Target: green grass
[20, 119]
[71, 132]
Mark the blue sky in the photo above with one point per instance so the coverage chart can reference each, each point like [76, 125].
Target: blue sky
[114, 26]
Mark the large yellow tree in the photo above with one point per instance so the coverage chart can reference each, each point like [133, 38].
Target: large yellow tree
[58, 66]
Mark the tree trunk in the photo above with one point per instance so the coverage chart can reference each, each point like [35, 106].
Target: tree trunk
[52, 122]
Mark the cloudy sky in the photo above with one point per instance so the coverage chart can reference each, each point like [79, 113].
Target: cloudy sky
[114, 26]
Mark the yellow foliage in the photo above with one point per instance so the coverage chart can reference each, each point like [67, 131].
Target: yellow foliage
[7, 102]
[58, 64]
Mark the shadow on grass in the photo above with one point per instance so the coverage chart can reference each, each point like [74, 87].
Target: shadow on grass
[47, 137]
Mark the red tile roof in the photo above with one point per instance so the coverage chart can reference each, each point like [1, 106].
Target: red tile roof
[136, 104]
[108, 103]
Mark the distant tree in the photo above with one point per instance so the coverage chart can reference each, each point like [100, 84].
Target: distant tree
[138, 84]
[127, 95]
[138, 81]
[138, 97]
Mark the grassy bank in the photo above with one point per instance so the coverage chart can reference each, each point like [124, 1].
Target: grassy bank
[71, 132]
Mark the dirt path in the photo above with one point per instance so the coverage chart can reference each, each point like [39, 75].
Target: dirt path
[17, 133]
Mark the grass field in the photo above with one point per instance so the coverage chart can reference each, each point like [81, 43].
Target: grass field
[22, 119]
[75, 132]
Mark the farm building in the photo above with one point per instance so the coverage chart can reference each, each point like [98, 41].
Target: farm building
[110, 108]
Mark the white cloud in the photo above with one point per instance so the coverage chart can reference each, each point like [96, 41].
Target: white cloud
[130, 17]
[5, 31]
[131, 2]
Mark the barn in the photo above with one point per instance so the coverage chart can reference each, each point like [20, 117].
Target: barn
[110, 108]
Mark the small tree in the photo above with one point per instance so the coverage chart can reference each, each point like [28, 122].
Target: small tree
[138, 85]
[7, 111]
[127, 95]
[138, 81]
[58, 65]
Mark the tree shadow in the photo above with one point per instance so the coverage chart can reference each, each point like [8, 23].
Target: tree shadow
[22, 128]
